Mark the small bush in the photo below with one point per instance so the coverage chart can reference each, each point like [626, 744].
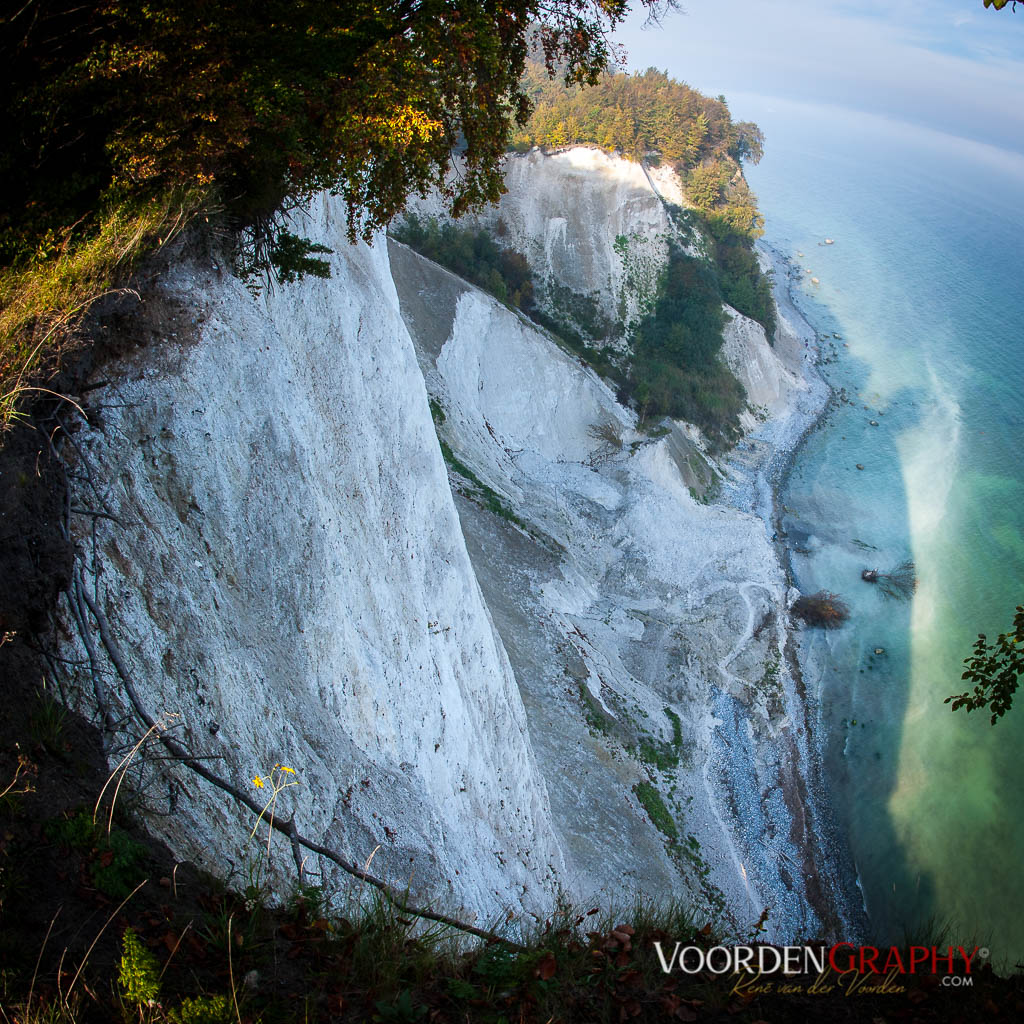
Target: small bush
[267, 252]
[202, 1010]
[139, 972]
[823, 609]
[114, 858]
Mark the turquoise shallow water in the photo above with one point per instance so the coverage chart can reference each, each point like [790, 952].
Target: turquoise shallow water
[924, 285]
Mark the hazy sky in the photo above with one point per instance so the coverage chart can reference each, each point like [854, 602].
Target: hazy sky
[948, 64]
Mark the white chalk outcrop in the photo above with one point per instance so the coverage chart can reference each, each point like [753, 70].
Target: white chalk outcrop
[586, 220]
[488, 684]
[770, 384]
[293, 583]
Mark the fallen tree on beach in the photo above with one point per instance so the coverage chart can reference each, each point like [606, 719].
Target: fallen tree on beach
[823, 609]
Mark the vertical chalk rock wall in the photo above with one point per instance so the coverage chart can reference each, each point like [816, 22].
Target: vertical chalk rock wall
[769, 382]
[586, 220]
[293, 583]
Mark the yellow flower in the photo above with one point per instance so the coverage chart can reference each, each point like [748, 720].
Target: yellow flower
[258, 783]
[285, 768]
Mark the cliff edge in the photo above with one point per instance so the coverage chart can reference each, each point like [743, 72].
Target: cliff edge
[556, 662]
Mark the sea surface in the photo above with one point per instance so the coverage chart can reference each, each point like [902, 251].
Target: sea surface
[924, 285]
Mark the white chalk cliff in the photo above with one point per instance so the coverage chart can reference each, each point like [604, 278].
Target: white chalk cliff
[468, 666]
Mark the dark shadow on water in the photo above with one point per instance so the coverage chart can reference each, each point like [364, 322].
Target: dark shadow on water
[864, 695]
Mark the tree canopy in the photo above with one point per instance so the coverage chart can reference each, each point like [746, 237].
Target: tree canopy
[652, 117]
[270, 102]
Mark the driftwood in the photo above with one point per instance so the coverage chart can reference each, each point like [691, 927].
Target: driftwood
[898, 583]
[823, 609]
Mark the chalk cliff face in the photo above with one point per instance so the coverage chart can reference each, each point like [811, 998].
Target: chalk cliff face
[585, 220]
[292, 581]
[645, 628]
[551, 664]
[769, 382]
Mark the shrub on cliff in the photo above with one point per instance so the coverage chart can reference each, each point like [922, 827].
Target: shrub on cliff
[677, 369]
[472, 254]
[743, 284]
[823, 609]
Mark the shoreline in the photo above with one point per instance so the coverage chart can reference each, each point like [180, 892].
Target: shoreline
[831, 883]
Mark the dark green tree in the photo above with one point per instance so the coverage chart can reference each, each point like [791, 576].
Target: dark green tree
[995, 669]
[268, 103]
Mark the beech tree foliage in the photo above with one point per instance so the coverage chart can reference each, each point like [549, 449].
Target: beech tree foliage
[654, 118]
[995, 669]
[267, 103]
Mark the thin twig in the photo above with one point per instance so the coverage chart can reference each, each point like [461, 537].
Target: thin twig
[123, 769]
[39, 959]
[97, 939]
[231, 971]
[173, 951]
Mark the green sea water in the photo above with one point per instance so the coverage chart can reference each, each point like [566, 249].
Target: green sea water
[925, 286]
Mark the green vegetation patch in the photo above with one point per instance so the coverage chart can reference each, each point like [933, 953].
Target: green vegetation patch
[596, 717]
[677, 727]
[114, 858]
[743, 284]
[663, 755]
[472, 254]
[656, 810]
[677, 368]
[583, 311]
[477, 490]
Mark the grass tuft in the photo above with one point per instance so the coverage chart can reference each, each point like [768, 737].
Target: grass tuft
[42, 303]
